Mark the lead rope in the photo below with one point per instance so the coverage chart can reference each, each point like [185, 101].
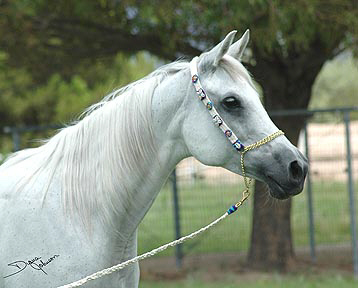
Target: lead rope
[232, 209]
[247, 181]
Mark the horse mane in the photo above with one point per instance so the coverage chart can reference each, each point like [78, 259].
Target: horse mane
[98, 158]
[106, 150]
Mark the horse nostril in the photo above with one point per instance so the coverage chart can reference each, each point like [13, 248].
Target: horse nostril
[296, 171]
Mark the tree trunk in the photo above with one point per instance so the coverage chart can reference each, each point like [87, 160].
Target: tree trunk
[271, 243]
[287, 86]
[271, 238]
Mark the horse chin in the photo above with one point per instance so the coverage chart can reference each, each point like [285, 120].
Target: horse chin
[276, 190]
[278, 194]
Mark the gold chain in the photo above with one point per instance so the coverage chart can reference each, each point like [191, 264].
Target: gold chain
[246, 192]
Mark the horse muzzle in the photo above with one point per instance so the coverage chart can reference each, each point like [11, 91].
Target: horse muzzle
[288, 177]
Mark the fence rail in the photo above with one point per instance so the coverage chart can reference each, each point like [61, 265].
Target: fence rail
[323, 189]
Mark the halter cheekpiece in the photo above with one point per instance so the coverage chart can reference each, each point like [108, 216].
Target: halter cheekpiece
[218, 121]
[230, 135]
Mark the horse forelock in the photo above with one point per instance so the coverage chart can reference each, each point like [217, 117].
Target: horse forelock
[236, 70]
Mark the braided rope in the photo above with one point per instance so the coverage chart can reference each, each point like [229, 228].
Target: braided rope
[122, 265]
[232, 209]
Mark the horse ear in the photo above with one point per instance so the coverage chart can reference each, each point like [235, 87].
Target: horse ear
[214, 56]
[237, 49]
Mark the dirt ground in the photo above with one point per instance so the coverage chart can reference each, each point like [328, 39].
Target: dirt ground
[212, 267]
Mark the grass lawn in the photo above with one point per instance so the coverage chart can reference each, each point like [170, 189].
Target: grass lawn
[259, 281]
[201, 203]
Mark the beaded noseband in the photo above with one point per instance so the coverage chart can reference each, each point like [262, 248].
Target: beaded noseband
[230, 135]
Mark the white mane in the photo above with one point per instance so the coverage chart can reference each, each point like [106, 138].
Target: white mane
[101, 155]
[105, 150]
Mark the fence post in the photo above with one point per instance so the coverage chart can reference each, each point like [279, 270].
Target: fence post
[346, 117]
[16, 138]
[178, 248]
[310, 201]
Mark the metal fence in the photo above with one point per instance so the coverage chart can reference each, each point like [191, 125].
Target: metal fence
[195, 194]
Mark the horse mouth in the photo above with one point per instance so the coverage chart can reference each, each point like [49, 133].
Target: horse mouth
[276, 190]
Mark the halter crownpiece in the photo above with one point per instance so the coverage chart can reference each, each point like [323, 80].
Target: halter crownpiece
[230, 135]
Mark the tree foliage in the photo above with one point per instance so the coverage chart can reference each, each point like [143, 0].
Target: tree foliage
[336, 85]
[61, 100]
[52, 43]
[54, 36]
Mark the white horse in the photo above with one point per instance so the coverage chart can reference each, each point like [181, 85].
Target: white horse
[72, 206]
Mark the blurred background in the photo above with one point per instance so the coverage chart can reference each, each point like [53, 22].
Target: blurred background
[59, 57]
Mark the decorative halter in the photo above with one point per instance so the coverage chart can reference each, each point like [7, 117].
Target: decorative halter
[230, 135]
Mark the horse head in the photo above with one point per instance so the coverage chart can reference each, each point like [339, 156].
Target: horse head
[232, 92]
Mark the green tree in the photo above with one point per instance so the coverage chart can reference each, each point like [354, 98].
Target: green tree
[60, 100]
[336, 84]
[291, 40]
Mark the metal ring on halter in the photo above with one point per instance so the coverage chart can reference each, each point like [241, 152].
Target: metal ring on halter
[230, 135]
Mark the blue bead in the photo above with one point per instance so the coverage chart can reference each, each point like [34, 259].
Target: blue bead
[209, 105]
[238, 145]
[232, 209]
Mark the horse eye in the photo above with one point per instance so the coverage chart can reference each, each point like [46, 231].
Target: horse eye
[231, 103]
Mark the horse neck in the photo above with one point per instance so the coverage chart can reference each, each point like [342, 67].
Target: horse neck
[113, 169]
[167, 116]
